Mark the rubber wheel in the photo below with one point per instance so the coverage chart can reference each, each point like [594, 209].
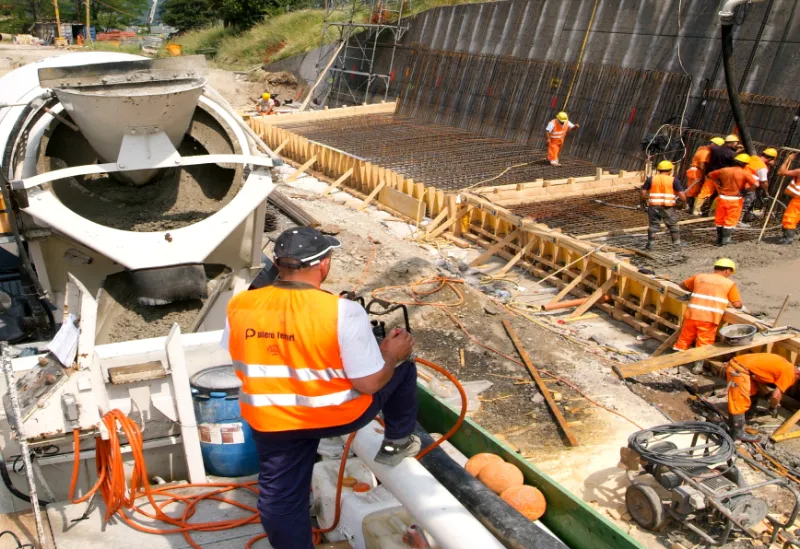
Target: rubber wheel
[645, 507]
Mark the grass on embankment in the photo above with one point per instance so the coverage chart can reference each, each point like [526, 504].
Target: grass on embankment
[275, 38]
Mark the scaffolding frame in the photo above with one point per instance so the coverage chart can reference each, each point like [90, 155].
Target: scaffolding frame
[353, 29]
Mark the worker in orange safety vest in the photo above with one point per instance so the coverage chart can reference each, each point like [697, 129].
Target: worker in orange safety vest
[696, 174]
[731, 183]
[721, 156]
[311, 368]
[791, 216]
[750, 376]
[711, 294]
[662, 192]
[759, 165]
[555, 134]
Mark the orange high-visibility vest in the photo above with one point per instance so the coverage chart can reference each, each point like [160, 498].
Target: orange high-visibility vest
[284, 343]
[662, 192]
[701, 156]
[559, 130]
[709, 298]
[794, 188]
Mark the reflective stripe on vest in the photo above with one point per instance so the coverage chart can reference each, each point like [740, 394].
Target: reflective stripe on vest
[284, 342]
[709, 298]
[729, 197]
[559, 130]
[662, 192]
[794, 187]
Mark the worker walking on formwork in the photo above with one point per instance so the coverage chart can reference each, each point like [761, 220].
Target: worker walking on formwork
[759, 165]
[731, 184]
[749, 377]
[711, 294]
[555, 134]
[662, 193]
[696, 174]
[311, 368]
[720, 156]
[791, 216]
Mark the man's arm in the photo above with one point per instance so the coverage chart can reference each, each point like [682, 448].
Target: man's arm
[395, 348]
[775, 400]
[645, 190]
[573, 127]
[784, 169]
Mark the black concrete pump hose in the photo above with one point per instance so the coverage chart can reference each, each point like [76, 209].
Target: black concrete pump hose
[733, 92]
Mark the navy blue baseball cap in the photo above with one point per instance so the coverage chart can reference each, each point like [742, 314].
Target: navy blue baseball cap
[303, 247]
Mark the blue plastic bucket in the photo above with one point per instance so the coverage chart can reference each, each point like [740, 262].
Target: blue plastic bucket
[226, 440]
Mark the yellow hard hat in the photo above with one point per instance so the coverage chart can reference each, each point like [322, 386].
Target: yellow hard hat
[744, 158]
[770, 152]
[732, 139]
[562, 117]
[718, 141]
[664, 166]
[725, 263]
[264, 96]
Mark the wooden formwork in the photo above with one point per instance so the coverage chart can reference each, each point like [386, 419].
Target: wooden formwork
[649, 304]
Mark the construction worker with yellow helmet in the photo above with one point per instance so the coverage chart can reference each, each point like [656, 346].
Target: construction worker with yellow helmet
[661, 193]
[555, 133]
[265, 105]
[711, 294]
[721, 156]
[759, 165]
[696, 174]
[791, 217]
[731, 184]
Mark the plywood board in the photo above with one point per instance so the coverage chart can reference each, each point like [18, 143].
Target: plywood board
[406, 205]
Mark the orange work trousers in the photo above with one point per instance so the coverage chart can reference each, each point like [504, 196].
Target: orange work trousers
[554, 148]
[740, 388]
[698, 332]
[694, 181]
[791, 217]
[728, 212]
[708, 189]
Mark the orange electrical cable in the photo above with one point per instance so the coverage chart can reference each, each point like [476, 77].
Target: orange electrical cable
[120, 499]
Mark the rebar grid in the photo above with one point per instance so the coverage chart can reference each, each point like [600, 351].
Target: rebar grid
[441, 156]
[514, 98]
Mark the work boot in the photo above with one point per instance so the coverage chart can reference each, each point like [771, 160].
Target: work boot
[697, 367]
[727, 235]
[676, 241]
[751, 411]
[719, 236]
[736, 424]
[697, 206]
[788, 236]
[651, 236]
[392, 452]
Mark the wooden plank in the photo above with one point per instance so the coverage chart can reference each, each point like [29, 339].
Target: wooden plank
[667, 344]
[433, 224]
[782, 431]
[136, 372]
[372, 195]
[491, 251]
[406, 205]
[638, 229]
[571, 286]
[302, 169]
[453, 220]
[280, 147]
[513, 261]
[335, 185]
[562, 422]
[698, 353]
[596, 295]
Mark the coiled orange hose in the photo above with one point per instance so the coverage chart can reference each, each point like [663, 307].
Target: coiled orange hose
[120, 499]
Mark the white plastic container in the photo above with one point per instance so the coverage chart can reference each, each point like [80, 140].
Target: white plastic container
[385, 529]
[323, 487]
[358, 508]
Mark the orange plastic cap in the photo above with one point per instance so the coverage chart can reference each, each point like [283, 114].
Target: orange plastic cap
[479, 461]
[362, 487]
[527, 500]
[499, 477]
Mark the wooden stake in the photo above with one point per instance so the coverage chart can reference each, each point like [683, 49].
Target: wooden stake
[548, 397]
[571, 286]
[461, 354]
[783, 308]
[455, 219]
[667, 344]
[514, 260]
[438, 219]
[302, 169]
[281, 146]
[588, 316]
[491, 251]
[598, 293]
[372, 195]
[335, 185]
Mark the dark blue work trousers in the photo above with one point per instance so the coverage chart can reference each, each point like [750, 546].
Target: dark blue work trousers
[286, 460]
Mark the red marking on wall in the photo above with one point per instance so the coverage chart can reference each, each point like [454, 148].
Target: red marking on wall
[391, 76]
[553, 102]
[632, 116]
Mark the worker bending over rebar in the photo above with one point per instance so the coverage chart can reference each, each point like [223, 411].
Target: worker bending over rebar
[750, 376]
[311, 368]
[696, 174]
[662, 194]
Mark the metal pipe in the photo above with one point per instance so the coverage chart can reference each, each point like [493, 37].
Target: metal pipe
[19, 432]
[727, 18]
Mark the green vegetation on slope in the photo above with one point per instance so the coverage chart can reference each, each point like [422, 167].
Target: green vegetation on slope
[276, 37]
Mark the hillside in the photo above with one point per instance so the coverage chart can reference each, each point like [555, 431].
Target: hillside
[275, 38]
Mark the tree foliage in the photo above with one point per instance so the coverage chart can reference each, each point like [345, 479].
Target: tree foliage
[187, 14]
